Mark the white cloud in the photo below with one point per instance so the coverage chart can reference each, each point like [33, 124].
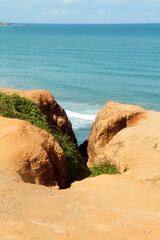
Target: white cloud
[100, 13]
[68, 1]
[56, 12]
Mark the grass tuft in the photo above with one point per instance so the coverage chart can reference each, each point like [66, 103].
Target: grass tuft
[103, 169]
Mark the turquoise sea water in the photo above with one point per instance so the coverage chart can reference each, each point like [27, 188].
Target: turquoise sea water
[84, 66]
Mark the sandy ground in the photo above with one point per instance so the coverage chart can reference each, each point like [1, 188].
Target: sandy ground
[104, 207]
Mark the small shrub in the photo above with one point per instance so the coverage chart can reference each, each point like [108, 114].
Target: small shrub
[103, 169]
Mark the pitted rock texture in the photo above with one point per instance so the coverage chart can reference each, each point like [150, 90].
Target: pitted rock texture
[31, 153]
[128, 137]
[55, 114]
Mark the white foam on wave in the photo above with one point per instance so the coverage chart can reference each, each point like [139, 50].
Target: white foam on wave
[83, 116]
[80, 120]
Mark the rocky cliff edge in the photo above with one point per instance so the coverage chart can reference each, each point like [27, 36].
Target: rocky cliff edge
[129, 137]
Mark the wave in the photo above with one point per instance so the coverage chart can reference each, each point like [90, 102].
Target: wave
[83, 116]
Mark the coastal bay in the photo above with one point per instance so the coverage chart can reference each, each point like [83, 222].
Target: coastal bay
[80, 120]
[84, 66]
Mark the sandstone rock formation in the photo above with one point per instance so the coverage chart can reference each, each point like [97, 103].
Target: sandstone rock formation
[105, 207]
[128, 137]
[31, 153]
[55, 114]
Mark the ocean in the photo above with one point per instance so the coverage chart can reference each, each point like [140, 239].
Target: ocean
[84, 66]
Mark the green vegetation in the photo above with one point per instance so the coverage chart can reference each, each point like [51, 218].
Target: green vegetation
[76, 164]
[103, 169]
[14, 106]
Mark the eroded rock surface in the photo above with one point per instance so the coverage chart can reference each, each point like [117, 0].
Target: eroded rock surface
[105, 207]
[128, 137]
[55, 114]
[31, 153]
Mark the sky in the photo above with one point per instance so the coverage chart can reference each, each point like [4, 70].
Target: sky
[80, 11]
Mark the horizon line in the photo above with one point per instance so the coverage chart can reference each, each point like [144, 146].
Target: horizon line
[78, 23]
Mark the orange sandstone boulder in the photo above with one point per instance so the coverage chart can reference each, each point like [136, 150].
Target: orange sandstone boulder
[31, 153]
[55, 114]
[109, 121]
[128, 137]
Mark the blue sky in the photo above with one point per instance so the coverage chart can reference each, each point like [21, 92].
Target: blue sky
[80, 11]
